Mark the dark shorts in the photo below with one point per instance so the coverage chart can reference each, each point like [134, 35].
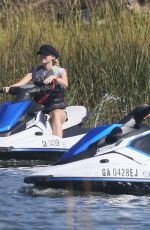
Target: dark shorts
[50, 108]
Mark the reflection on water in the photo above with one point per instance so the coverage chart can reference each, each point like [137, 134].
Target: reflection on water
[27, 207]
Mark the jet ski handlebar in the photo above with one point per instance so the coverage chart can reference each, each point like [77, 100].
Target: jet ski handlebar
[32, 90]
[136, 116]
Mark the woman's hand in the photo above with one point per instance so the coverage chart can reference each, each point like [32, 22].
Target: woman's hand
[6, 89]
[148, 116]
[50, 79]
[23, 81]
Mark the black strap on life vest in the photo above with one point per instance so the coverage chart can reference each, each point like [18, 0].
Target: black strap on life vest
[44, 98]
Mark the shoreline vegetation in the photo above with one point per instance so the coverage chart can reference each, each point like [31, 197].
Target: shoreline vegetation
[106, 52]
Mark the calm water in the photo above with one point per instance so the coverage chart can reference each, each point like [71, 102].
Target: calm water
[24, 207]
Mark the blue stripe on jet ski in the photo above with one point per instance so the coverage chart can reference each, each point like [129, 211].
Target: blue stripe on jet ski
[97, 179]
[10, 113]
[138, 137]
[39, 150]
[139, 151]
[91, 137]
[136, 149]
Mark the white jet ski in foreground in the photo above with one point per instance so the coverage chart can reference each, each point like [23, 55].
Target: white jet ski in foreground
[111, 158]
[25, 131]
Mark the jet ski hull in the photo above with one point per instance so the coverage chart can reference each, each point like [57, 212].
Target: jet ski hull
[25, 129]
[115, 169]
[11, 157]
[114, 159]
[106, 185]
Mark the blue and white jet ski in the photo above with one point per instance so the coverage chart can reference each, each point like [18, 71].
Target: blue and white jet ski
[112, 158]
[25, 131]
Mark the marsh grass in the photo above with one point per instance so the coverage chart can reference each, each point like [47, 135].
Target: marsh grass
[108, 54]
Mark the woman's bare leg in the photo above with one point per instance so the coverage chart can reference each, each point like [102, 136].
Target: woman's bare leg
[58, 117]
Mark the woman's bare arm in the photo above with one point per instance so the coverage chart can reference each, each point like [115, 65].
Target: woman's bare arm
[23, 81]
[63, 80]
[27, 78]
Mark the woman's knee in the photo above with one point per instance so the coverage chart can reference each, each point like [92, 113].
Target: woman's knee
[58, 115]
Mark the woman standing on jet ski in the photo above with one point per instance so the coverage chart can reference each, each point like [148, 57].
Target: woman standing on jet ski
[46, 73]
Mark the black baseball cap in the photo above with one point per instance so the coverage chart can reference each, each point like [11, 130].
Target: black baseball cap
[48, 50]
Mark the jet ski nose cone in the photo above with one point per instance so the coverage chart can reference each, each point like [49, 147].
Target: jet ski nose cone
[29, 180]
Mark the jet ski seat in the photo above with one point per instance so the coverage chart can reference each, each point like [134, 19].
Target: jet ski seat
[131, 123]
[34, 108]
